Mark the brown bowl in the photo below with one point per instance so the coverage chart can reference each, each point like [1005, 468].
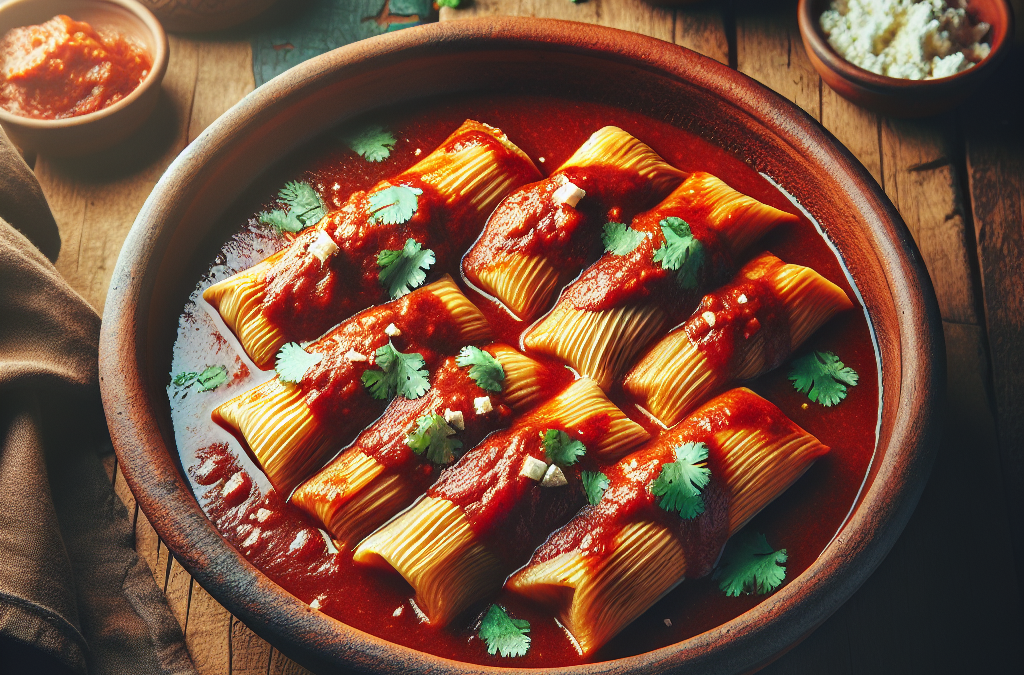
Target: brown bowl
[165, 254]
[899, 97]
[103, 128]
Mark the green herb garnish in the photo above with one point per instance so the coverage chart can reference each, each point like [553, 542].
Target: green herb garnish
[594, 483]
[399, 374]
[823, 377]
[680, 482]
[293, 362]
[561, 448]
[681, 253]
[374, 143]
[404, 269]
[503, 634]
[207, 380]
[454, 4]
[750, 565]
[394, 205]
[485, 370]
[305, 208]
[433, 436]
[620, 239]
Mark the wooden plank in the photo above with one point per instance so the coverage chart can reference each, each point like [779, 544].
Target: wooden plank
[282, 665]
[702, 29]
[769, 49]
[250, 654]
[858, 129]
[921, 179]
[124, 493]
[208, 633]
[223, 77]
[631, 15]
[178, 592]
[995, 167]
[147, 545]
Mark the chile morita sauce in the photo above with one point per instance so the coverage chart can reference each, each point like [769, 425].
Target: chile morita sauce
[287, 546]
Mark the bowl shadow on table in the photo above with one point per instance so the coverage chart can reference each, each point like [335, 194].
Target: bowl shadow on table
[131, 156]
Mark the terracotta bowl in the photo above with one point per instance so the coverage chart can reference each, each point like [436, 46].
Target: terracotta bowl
[103, 128]
[895, 96]
[168, 249]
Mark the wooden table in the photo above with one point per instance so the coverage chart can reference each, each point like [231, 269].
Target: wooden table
[949, 596]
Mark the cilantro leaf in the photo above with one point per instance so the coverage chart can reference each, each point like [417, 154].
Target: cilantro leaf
[305, 208]
[404, 269]
[293, 362]
[680, 482]
[823, 377]
[503, 634]
[485, 370]
[750, 565]
[620, 239]
[454, 4]
[432, 435]
[374, 143]
[208, 380]
[594, 483]
[402, 374]
[394, 205]
[682, 252]
[561, 448]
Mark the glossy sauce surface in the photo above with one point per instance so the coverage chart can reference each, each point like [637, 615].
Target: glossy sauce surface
[284, 543]
[64, 68]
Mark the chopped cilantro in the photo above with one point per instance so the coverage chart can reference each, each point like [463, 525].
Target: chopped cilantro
[823, 377]
[432, 435]
[404, 269]
[620, 239]
[682, 252]
[503, 634]
[594, 483]
[561, 448]
[485, 370]
[394, 205]
[305, 208]
[680, 482]
[374, 143]
[454, 4]
[401, 374]
[750, 565]
[208, 380]
[293, 362]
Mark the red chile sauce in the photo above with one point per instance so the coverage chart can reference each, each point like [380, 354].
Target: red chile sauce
[285, 544]
[64, 68]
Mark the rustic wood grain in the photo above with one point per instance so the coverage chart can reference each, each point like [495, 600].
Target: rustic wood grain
[282, 665]
[208, 633]
[179, 592]
[250, 654]
[995, 167]
[768, 49]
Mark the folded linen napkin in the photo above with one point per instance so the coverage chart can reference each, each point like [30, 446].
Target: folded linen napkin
[74, 596]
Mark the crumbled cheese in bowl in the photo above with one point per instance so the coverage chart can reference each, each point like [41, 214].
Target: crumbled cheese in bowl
[907, 39]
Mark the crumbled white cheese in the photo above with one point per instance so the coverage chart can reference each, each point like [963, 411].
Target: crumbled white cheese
[553, 477]
[323, 247]
[540, 159]
[533, 468]
[315, 604]
[354, 356]
[418, 152]
[482, 405]
[392, 330]
[742, 299]
[908, 39]
[709, 317]
[263, 514]
[455, 418]
[252, 538]
[398, 612]
[568, 194]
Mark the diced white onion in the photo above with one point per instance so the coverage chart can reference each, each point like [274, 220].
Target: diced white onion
[709, 317]
[315, 604]
[323, 247]
[742, 299]
[553, 477]
[354, 356]
[534, 469]
[482, 405]
[568, 194]
[455, 418]
[392, 330]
